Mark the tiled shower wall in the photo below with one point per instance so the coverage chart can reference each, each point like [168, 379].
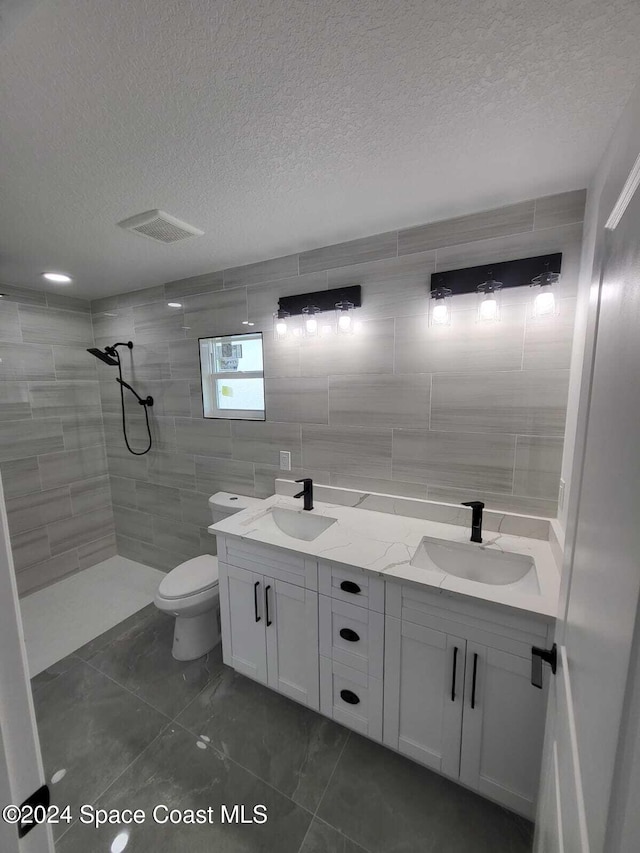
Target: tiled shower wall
[464, 411]
[52, 450]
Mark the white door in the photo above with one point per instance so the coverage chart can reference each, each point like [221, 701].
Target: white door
[602, 565]
[21, 770]
[423, 694]
[243, 620]
[291, 622]
[502, 728]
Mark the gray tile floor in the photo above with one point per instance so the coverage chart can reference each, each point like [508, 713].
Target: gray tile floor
[124, 719]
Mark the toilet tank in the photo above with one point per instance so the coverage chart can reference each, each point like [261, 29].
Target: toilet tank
[224, 504]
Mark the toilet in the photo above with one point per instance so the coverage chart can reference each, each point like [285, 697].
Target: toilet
[190, 591]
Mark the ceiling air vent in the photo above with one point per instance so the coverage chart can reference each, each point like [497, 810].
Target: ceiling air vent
[160, 226]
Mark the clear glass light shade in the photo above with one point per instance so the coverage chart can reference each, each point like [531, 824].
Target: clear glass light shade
[544, 305]
[281, 325]
[310, 322]
[489, 302]
[440, 311]
[345, 323]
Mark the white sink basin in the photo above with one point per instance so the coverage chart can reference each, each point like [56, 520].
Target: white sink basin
[475, 564]
[298, 524]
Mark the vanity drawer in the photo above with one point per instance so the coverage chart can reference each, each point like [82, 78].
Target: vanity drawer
[352, 635]
[263, 559]
[351, 698]
[354, 586]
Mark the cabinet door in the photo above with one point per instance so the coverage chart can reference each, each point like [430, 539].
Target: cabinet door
[503, 728]
[244, 644]
[423, 694]
[291, 622]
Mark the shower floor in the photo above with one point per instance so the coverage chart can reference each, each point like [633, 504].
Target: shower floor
[64, 616]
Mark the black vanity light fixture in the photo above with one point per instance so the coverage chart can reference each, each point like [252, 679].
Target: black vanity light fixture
[323, 313]
[542, 271]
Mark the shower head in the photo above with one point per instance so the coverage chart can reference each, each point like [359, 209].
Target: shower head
[103, 356]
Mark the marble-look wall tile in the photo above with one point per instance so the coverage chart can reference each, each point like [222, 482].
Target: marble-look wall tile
[156, 499]
[463, 460]
[9, 321]
[531, 402]
[25, 361]
[368, 351]
[380, 400]
[14, 401]
[133, 523]
[395, 287]
[500, 502]
[29, 547]
[261, 271]
[123, 491]
[184, 359]
[379, 486]
[349, 450]
[224, 475]
[538, 464]
[19, 439]
[49, 399]
[147, 360]
[204, 437]
[262, 441]
[548, 340]
[73, 363]
[281, 358]
[111, 326]
[68, 303]
[20, 477]
[122, 464]
[89, 495]
[158, 323]
[176, 290]
[23, 296]
[172, 469]
[81, 429]
[97, 551]
[466, 229]
[464, 346]
[266, 475]
[37, 509]
[195, 508]
[80, 529]
[39, 575]
[302, 399]
[177, 537]
[171, 397]
[560, 209]
[353, 252]
[217, 313]
[41, 325]
[58, 469]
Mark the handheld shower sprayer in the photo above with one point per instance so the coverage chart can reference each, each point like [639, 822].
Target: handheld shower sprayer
[111, 356]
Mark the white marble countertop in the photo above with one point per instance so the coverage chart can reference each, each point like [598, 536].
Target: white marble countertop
[385, 544]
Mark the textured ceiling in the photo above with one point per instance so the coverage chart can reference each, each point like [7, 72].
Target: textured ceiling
[282, 125]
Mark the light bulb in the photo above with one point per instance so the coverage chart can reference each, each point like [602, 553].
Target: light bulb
[544, 304]
[311, 326]
[440, 313]
[58, 277]
[344, 321]
[281, 328]
[488, 309]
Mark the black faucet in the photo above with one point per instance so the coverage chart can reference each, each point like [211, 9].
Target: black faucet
[307, 492]
[476, 519]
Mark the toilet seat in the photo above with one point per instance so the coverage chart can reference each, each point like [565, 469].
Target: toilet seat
[190, 578]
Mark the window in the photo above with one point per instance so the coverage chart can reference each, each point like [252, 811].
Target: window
[232, 373]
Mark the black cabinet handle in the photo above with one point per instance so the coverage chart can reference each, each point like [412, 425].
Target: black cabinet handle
[266, 603]
[349, 634]
[350, 586]
[349, 696]
[473, 684]
[453, 679]
[538, 655]
[255, 599]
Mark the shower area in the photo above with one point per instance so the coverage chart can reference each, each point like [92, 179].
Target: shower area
[65, 419]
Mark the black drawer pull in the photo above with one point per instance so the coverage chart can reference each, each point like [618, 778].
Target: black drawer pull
[453, 679]
[349, 634]
[350, 586]
[349, 697]
[473, 685]
[255, 600]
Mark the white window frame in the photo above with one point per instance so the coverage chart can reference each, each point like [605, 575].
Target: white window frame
[211, 377]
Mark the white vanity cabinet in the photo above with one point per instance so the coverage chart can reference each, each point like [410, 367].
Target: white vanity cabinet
[458, 696]
[269, 618]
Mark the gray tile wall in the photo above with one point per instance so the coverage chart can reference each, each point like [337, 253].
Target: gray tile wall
[442, 413]
[52, 451]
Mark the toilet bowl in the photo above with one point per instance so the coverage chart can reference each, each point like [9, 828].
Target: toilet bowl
[190, 591]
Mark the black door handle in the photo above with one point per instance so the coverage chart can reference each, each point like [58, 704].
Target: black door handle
[266, 603]
[255, 600]
[473, 685]
[350, 586]
[349, 696]
[539, 655]
[453, 679]
[349, 634]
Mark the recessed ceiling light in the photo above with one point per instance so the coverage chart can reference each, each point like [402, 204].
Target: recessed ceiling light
[174, 304]
[58, 277]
